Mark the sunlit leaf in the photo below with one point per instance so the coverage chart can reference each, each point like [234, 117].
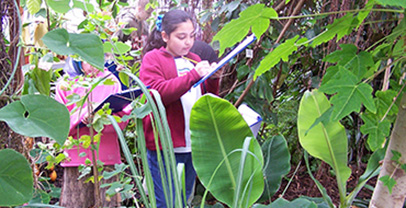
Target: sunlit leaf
[326, 141]
[283, 52]
[256, 16]
[363, 14]
[60, 6]
[88, 7]
[400, 3]
[117, 48]
[33, 6]
[340, 27]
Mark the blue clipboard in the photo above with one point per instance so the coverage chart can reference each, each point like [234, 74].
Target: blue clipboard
[118, 101]
[227, 58]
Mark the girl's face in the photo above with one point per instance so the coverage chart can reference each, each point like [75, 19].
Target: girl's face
[179, 42]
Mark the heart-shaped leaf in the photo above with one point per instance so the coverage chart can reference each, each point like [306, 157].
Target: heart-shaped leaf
[37, 115]
[15, 178]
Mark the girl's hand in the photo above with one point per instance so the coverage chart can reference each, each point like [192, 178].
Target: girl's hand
[203, 68]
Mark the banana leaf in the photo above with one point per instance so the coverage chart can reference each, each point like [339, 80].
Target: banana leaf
[326, 139]
[218, 133]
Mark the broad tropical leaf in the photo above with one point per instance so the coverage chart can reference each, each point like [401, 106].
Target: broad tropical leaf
[37, 115]
[256, 16]
[16, 179]
[277, 164]
[218, 132]
[349, 94]
[349, 59]
[327, 140]
[88, 46]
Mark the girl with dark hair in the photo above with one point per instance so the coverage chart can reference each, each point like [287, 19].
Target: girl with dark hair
[169, 67]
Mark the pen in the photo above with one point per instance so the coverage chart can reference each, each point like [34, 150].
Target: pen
[189, 59]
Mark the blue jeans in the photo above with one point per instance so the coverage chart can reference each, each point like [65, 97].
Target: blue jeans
[190, 176]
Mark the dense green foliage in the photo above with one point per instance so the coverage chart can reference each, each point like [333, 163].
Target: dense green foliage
[343, 61]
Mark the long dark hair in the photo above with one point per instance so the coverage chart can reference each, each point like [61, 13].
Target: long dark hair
[170, 22]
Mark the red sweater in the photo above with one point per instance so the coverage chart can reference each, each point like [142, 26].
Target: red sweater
[158, 71]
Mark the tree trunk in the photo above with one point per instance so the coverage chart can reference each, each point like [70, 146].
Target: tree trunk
[381, 197]
[77, 193]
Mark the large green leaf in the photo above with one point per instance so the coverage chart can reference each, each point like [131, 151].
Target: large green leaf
[326, 140]
[60, 6]
[37, 115]
[16, 181]
[218, 132]
[88, 46]
[340, 27]
[277, 164]
[283, 52]
[349, 94]
[256, 16]
[348, 57]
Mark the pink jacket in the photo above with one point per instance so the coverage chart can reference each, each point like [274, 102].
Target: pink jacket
[158, 71]
[109, 149]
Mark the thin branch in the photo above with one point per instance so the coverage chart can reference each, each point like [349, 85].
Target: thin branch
[295, 11]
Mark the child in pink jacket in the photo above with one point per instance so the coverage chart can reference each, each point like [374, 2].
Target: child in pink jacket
[109, 149]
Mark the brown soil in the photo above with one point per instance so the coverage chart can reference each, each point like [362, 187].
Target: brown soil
[301, 184]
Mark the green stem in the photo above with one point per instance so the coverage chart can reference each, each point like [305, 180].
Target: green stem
[337, 12]
[18, 53]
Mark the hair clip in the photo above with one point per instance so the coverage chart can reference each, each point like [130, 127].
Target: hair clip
[159, 23]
